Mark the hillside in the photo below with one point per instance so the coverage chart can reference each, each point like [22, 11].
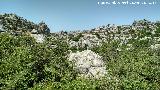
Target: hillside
[15, 24]
[139, 31]
[108, 57]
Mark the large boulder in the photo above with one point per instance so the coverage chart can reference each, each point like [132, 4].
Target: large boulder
[40, 38]
[88, 64]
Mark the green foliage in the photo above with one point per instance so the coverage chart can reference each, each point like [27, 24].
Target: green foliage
[14, 23]
[143, 33]
[77, 37]
[137, 69]
[142, 43]
[73, 85]
[24, 63]
[157, 32]
[98, 36]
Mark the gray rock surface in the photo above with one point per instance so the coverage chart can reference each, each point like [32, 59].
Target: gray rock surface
[38, 37]
[88, 64]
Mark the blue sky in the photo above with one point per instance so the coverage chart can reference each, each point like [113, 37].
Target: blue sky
[79, 14]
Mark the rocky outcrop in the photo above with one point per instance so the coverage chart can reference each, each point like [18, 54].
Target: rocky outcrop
[14, 23]
[87, 41]
[88, 64]
[38, 37]
[109, 33]
[155, 47]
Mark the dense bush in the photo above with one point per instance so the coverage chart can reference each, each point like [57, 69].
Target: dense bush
[77, 37]
[24, 63]
[137, 69]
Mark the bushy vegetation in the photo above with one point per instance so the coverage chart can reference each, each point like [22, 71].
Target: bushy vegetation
[28, 65]
[137, 69]
[25, 64]
[77, 37]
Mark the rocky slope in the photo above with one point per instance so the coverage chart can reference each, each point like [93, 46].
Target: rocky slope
[139, 30]
[13, 23]
[127, 57]
[16, 25]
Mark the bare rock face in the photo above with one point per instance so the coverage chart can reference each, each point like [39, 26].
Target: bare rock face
[155, 47]
[1, 27]
[88, 64]
[38, 37]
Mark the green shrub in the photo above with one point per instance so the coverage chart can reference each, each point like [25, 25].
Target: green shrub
[24, 63]
[137, 69]
[77, 37]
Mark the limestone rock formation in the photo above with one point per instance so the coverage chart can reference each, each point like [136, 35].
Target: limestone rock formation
[38, 37]
[88, 64]
[13, 23]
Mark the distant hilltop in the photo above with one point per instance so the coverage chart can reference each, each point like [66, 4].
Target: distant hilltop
[138, 30]
[18, 25]
[136, 25]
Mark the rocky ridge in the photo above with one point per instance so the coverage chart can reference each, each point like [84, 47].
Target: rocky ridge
[140, 30]
[15, 25]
